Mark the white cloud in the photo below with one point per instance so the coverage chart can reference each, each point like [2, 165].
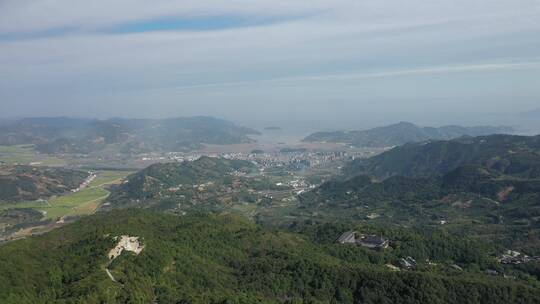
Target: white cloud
[16, 15]
[330, 40]
[40, 15]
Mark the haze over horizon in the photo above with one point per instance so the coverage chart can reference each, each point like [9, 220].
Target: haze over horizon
[315, 64]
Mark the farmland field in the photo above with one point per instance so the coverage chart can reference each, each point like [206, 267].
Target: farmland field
[108, 177]
[83, 202]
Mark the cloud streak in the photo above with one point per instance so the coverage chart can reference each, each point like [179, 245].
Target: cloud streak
[472, 68]
[38, 15]
[176, 56]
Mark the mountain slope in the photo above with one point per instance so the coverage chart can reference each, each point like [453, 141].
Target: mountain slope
[517, 156]
[486, 186]
[222, 259]
[190, 183]
[401, 133]
[495, 197]
[20, 183]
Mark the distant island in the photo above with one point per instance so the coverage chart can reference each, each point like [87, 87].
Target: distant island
[82, 136]
[402, 133]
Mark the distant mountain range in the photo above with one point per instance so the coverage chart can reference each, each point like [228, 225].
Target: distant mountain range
[74, 135]
[402, 133]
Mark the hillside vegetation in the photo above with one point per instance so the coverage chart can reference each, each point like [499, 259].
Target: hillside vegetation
[487, 187]
[223, 259]
[516, 156]
[22, 183]
[205, 184]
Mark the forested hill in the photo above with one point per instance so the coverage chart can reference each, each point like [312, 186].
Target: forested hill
[20, 183]
[178, 181]
[223, 259]
[488, 187]
[402, 133]
[71, 135]
[467, 195]
[517, 156]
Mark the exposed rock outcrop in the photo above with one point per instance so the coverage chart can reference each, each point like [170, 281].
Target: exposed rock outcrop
[127, 243]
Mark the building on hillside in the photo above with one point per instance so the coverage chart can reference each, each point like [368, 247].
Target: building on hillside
[373, 241]
[407, 263]
[369, 241]
[348, 237]
[515, 257]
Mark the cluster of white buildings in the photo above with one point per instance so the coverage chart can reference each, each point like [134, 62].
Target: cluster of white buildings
[515, 257]
[86, 182]
[265, 159]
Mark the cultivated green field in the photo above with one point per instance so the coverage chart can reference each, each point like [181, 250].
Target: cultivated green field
[78, 203]
[108, 177]
[70, 204]
[83, 202]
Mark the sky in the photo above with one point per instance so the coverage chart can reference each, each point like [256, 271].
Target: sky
[306, 63]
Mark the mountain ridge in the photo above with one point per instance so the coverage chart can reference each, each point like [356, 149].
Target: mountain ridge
[479, 185]
[507, 154]
[401, 133]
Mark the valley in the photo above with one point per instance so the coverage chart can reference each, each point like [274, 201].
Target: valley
[56, 210]
[462, 211]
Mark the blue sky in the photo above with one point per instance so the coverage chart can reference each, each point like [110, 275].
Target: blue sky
[327, 64]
